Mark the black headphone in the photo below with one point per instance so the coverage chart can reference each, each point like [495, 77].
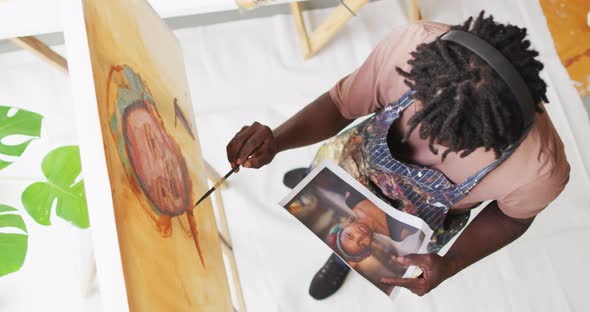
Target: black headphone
[503, 67]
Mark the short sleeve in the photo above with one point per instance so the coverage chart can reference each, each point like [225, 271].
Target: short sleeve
[356, 95]
[376, 82]
[530, 199]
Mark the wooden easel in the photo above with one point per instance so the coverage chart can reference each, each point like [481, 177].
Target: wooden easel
[37, 47]
[224, 235]
[312, 44]
[413, 10]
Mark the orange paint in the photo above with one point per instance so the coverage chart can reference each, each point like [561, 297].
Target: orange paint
[191, 221]
[114, 69]
[185, 226]
[164, 225]
[569, 62]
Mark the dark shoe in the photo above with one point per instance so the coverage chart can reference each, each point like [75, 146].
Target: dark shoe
[293, 177]
[329, 278]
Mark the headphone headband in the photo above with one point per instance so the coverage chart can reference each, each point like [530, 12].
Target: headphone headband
[502, 66]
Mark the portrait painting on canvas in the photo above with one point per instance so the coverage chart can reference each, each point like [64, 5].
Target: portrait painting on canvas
[170, 250]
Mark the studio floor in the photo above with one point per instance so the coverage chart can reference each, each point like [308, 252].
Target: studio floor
[252, 70]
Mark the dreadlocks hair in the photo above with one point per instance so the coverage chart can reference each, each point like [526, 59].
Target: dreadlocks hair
[465, 104]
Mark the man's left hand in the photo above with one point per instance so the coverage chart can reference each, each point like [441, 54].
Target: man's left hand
[435, 269]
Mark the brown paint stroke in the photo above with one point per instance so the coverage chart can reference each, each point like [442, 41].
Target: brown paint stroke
[191, 219]
[178, 114]
[572, 60]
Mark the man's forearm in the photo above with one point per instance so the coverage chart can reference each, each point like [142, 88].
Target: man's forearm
[316, 122]
[487, 233]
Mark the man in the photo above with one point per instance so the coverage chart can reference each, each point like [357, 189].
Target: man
[451, 128]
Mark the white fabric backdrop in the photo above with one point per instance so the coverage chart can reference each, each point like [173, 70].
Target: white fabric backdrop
[251, 70]
[58, 256]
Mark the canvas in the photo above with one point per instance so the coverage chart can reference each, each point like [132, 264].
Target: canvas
[170, 251]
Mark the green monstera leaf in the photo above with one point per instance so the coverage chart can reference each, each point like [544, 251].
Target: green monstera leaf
[21, 123]
[13, 246]
[62, 169]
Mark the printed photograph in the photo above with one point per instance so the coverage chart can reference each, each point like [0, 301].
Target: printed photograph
[364, 231]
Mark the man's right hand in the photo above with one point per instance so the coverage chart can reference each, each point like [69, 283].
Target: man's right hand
[256, 142]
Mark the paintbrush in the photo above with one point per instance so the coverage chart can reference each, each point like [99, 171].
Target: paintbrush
[217, 184]
[222, 180]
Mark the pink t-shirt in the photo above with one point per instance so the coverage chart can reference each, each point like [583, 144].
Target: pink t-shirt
[523, 185]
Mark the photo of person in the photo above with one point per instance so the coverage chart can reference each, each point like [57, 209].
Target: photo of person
[364, 231]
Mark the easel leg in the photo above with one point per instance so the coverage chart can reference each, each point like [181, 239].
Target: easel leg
[226, 244]
[312, 44]
[413, 10]
[224, 228]
[228, 251]
[40, 49]
[333, 23]
[296, 10]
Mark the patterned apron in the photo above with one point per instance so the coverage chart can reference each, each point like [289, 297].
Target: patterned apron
[363, 152]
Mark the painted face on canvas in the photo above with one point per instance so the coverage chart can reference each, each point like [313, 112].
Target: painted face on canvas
[356, 237]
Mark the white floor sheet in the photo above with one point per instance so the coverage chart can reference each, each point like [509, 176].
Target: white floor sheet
[252, 70]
